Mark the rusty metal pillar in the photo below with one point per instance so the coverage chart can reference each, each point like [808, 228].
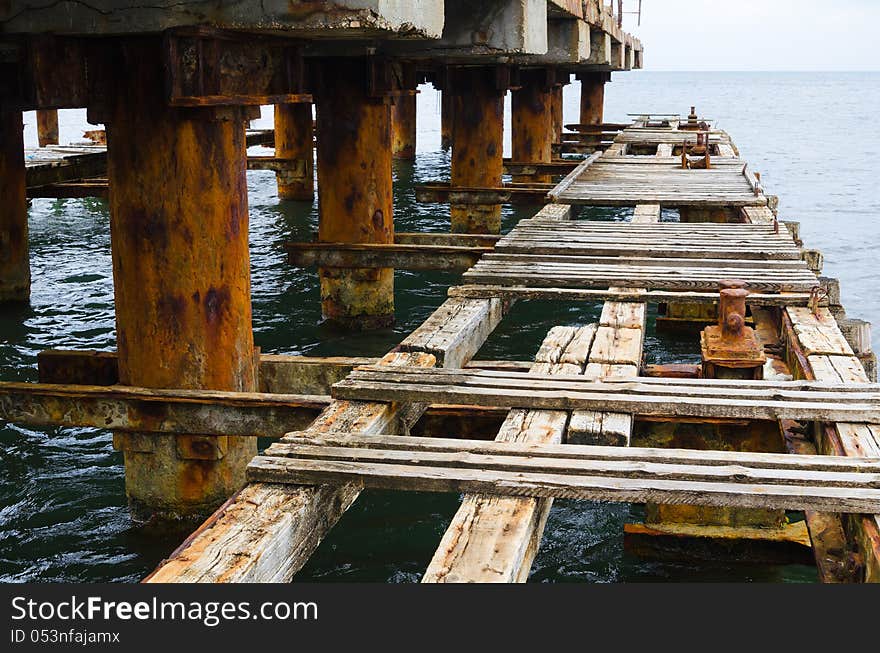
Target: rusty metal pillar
[403, 126]
[532, 118]
[593, 97]
[556, 111]
[181, 270]
[477, 148]
[294, 139]
[47, 127]
[445, 119]
[15, 271]
[354, 191]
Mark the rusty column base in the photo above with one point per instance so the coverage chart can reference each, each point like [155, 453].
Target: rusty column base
[475, 219]
[355, 192]
[403, 127]
[47, 127]
[15, 271]
[593, 97]
[477, 150]
[294, 138]
[358, 299]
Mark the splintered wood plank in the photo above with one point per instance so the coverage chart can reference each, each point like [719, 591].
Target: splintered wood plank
[623, 315]
[664, 150]
[818, 334]
[495, 539]
[456, 330]
[851, 438]
[617, 345]
[646, 214]
[527, 469]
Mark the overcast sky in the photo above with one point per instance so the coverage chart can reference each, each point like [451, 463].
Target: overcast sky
[758, 34]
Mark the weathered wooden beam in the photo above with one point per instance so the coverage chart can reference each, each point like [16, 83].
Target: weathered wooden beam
[533, 168]
[71, 189]
[565, 471]
[380, 255]
[150, 410]
[446, 239]
[441, 193]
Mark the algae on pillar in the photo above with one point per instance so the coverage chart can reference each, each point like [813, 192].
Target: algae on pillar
[477, 147]
[294, 139]
[532, 117]
[593, 97]
[15, 271]
[354, 191]
[181, 270]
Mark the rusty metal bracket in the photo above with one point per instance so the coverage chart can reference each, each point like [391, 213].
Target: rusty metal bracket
[817, 294]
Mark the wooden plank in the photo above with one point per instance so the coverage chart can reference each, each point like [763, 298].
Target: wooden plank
[495, 539]
[707, 399]
[149, 410]
[445, 239]
[570, 178]
[520, 473]
[456, 330]
[594, 294]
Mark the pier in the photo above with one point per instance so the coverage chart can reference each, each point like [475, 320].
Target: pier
[782, 414]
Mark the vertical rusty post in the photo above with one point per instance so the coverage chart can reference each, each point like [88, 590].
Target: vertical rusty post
[403, 126]
[354, 191]
[47, 127]
[593, 97]
[556, 111]
[445, 119]
[532, 118]
[294, 139]
[15, 271]
[181, 270]
[477, 149]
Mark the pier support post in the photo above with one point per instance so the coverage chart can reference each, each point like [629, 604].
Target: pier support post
[445, 119]
[15, 271]
[294, 138]
[477, 149]
[556, 111]
[47, 127]
[593, 97]
[403, 126]
[181, 270]
[354, 192]
[532, 118]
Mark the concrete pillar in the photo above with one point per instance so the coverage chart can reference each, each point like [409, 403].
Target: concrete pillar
[477, 147]
[556, 105]
[47, 127]
[354, 192]
[593, 97]
[532, 118]
[294, 139]
[445, 119]
[403, 127]
[181, 270]
[15, 271]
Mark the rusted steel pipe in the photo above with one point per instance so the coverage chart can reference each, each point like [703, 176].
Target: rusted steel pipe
[556, 105]
[445, 119]
[354, 191]
[181, 270]
[403, 127]
[593, 97]
[477, 150]
[294, 138]
[532, 118]
[15, 271]
[47, 127]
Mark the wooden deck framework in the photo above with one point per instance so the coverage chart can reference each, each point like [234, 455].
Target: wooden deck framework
[565, 425]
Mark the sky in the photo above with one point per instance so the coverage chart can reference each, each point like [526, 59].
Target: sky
[758, 34]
